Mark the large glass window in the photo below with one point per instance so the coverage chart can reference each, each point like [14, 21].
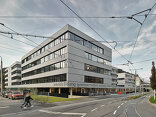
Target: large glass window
[86, 55]
[57, 66]
[42, 49]
[72, 36]
[57, 41]
[52, 44]
[90, 79]
[47, 69]
[38, 52]
[57, 53]
[46, 58]
[52, 67]
[89, 56]
[46, 47]
[94, 58]
[42, 60]
[87, 44]
[95, 69]
[63, 64]
[78, 40]
[94, 47]
[51, 56]
[67, 35]
[100, 60]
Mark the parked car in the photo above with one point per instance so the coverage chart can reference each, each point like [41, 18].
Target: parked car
[5, 94]
[15, 95]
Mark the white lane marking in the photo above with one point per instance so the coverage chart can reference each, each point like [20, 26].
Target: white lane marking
[114, 112]
[93, 109]
[63, 113]
[50, 112]
[4, 106]
[137, 112]
[118, 106]
[102, 105]
[79, 103]
[122, 103]
[63, 106]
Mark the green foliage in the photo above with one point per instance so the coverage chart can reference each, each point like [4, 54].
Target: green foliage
[135, 97]
[51, 99]
[153, 77]
[152, 100]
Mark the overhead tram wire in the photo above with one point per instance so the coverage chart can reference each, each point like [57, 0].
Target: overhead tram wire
[16, 32]
[39, 36]
[149, 10]
[136, 62]
[92, 29]
[17, 40]
[12, 49]
[66, 17]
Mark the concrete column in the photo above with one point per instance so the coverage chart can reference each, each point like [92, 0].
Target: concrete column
[81, 90]
[50, 90]
[84, 90]
[71, 92]
[59, 91]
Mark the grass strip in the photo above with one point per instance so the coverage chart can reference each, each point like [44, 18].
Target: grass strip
[152, 100]
[50, 99]
[135, 97]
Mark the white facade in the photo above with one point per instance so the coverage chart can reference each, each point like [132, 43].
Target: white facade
[13, 75]
[69, 59]
[126, 80]
[114, 74]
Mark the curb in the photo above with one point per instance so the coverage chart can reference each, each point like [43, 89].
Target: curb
[154, 105]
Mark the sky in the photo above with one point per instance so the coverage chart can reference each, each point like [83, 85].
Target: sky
[122, 30]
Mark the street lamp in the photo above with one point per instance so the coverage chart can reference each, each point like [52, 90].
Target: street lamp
[1, 76]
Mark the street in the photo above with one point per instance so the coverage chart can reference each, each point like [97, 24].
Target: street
[113, 106]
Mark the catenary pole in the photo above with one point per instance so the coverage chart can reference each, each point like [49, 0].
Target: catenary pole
[1, 76]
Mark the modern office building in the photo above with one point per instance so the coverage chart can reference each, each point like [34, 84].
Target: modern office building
[114, 74]
[68, 62]
[126, 81]
[13, 75]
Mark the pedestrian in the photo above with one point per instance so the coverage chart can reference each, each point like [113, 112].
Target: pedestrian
[27, 100]
[24, 98]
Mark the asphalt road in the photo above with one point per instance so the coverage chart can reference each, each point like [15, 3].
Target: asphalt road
[112, 106]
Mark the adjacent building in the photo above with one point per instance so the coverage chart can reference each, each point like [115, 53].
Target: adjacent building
[126, 80]
[68, 62]
[13, 75]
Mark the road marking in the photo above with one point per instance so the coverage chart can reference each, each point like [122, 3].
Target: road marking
[4, 106]
[118, 106]
[122, 103]
[102, 105]
[63, 113]
[114, 112]
[93, 109]
[80, 103]
[137, 112]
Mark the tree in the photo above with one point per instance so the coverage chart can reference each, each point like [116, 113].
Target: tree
[153, 78]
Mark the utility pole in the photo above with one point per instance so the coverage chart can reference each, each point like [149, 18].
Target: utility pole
[1, 76]
[135, 75]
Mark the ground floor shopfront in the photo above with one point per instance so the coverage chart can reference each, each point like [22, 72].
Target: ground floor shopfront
[68, 89]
